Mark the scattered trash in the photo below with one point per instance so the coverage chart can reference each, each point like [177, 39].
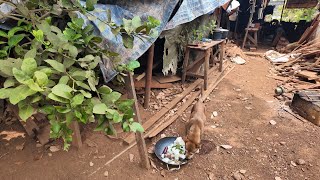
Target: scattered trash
[238, 60]
[226, 147]
[54, 148]
[272, 122]
[283, 143]
[276, 57]
[213, 126]
[174, 153]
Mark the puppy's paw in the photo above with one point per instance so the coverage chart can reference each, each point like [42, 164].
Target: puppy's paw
[198, 151]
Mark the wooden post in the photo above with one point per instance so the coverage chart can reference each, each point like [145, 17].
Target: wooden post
[139, 136]
[148, 77]
[185, 64]
[221, 55]
[253, 6]
[76, 136]
[206, 68]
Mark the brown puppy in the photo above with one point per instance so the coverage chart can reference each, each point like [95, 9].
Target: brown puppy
[195, 128]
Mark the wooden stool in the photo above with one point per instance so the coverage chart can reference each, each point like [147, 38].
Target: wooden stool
[252, 38]
[188, 70]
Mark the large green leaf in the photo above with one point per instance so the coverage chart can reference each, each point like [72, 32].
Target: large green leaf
[127, 41]
[86, 94]
[62, 109]
[56, 65]
[104, 90]
[5, 93]
[92, 83]
[13, 31]
[83, 85]
[29, 66]
[77, 100]
[25, 110]
[136, 22]
[41, 78]
[136, 127]
[14, 40]
[79, 75]
[57, 98]
[64, 80]
[7, 65]
[90, 4]
[9, 82]
[62, 90]
[3, 34]
[20, 93]
[34, 86]
[20, 76]
[133, 65]
[111, 98]
[100, 108]
[31, 53]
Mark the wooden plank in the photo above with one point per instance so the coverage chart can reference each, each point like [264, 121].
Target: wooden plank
[161, 126]
[154, 84]
[195, 75]
[308, 74]
[185, 64]
[280, 78]
[142, 148]
[169, 106]
[207, 45]
[148, 77]
[166, 79]
[194, 63]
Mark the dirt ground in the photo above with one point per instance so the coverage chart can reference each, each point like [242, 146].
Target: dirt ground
[245, 105]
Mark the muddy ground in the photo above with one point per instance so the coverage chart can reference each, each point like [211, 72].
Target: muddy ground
[245, 105]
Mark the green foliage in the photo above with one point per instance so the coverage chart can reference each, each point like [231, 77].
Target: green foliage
[55, 71]
[294, 15]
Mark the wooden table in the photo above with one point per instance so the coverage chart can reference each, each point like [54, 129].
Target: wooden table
[207, 48]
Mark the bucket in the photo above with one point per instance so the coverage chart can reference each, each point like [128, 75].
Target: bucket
[216, 35]
[225, 33]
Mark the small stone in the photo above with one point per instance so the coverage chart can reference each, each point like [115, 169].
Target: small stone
[163, 136]
[38, 145]
[250, 177]
[238, 89]
[259, 139]
[301, 162]
[54, 148]
[277, 178]
[242, 171]
[213, 126]
[151, 150]
[106, 174]
[237, 176]
[215, 113]
[49, 154]
[226, 147]
[272, 122]
[229, 105]
[131, 156]
[163, 173]
[20, 147]
[293, 163]
[211, 176]
[91, 164]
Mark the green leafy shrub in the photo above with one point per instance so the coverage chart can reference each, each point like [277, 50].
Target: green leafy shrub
[54, 70]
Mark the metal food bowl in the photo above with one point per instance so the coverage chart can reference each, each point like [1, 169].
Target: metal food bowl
[163, 143]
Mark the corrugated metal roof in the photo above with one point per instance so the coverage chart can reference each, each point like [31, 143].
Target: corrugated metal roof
[301, 3]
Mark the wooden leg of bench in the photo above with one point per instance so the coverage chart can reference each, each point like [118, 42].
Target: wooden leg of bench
[185, 64]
